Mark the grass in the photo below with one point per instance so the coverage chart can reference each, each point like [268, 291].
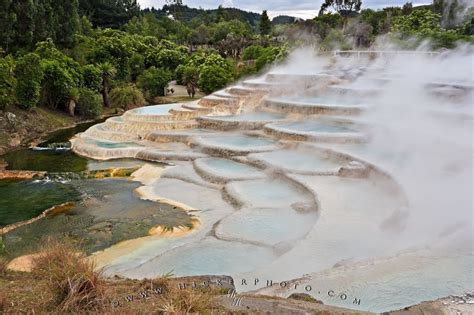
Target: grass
[64, 281]
[72, 281]
[3, 303]
[3, 265]
[178, 300]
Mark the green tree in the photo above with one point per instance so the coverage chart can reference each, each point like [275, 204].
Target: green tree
[29, 75]
[146, 25]
[7, 82]
[344, 7]
[165, 58]
[25, 12]
[252, 52]
[265, 24]
[407, 8]
[154, 81]
[418, 22]
[67, 20]
[336, 40]
[136, 64]
[89, 103]
[7, 23]
[92, 77]
[233, 28]
[127, 97]
[57, 84]
[213, 77]
[108, 72]
[109, 13]
[190, 75]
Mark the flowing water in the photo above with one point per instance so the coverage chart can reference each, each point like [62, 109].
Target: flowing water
[105, 211]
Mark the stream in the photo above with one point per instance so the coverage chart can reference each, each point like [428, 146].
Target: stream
[106, 210]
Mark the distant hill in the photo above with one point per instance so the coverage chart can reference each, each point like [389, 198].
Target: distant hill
[186, 14]
[284, 19]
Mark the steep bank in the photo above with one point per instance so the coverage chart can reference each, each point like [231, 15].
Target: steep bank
[22, 128]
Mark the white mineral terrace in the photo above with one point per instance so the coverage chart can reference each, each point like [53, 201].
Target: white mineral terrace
[280, 172]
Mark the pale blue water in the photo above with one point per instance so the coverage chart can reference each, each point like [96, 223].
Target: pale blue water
[314, 126]
[243, 142]
[210, 257]
[317, 100]
[229, 168]
[265, 193]
[153, 110]
[297, 161]
[250, 117]
[268, 226]
[112, 145]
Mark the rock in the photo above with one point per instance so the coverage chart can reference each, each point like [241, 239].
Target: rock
[22, 263]
[15, 141]
[11, 118]
[101, 226]
[4, 174]
[354, 169]
[304, 297]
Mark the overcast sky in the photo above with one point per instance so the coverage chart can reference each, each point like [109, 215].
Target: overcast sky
[299, 8]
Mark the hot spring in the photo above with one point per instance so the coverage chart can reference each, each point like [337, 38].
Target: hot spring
[337, 172]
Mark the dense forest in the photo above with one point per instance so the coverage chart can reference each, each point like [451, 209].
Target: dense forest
[79, 56]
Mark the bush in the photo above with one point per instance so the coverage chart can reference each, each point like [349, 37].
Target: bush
[127, 97]
[187, 300]
[269, 55]
[92, 76]
[154, 81]
[336, 40]
[165, 58]
[252, 52]
[89, 103]
[190, 75]
[7, 82]
[71, 278]
[29, 75]
[57, 84]
[212, 78]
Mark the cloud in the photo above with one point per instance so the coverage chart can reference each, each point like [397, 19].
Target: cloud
[228, 4]
[287, 7]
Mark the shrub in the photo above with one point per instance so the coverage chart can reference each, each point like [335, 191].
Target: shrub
[29, 75]
[127, 97]
[136, 65]
[72, 280]
[154, 81]
[57, 83]
[190, 75]
[252, 52]
[89, 103]
[336, 40]
[7, 82]
[92, 76]
[212, 78]
[188, 300]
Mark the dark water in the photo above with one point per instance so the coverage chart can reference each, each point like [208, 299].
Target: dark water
[106, 211]
[50, 160]
[111, 212]
[23, 200]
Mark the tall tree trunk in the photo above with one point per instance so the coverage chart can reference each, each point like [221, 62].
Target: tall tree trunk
[105, 93]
